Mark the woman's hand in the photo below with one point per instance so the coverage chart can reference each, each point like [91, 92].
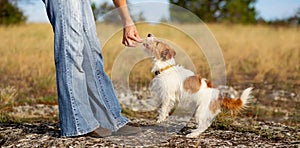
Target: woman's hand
[131, 36]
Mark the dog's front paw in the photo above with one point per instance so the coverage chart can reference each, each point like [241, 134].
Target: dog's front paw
[159, 121]
[195, 133]
[192, 135]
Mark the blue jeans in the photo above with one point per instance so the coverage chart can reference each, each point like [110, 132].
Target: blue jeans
[86, 96]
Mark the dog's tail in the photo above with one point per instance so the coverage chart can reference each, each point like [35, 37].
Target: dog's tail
[237, 104]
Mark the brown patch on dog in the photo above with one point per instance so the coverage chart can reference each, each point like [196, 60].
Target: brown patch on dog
[232, 104]
[167, 53]
[214, 105]
[209, 84]
[192, 84]
[161, 50]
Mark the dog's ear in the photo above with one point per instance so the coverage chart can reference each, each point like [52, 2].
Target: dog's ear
[167, 54]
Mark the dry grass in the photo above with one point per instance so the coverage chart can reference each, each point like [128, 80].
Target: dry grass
[8, 95]
[26, 60]
[261, 52]
[252, 53]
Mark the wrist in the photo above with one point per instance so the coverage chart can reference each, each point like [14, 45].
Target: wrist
[128, 22]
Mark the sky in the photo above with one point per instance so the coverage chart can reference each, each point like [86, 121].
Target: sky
[267, 9]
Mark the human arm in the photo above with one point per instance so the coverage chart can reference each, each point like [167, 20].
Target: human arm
[130, 34]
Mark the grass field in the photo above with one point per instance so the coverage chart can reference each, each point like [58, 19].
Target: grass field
[253, 54]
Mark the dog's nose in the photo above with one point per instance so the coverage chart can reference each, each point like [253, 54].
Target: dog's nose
[149, 35]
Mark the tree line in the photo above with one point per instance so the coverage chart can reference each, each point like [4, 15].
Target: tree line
[10, 13]
[229, 11]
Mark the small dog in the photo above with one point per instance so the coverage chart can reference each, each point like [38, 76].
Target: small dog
[175, 84]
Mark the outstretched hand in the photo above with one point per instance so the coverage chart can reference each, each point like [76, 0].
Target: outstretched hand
[131, 36]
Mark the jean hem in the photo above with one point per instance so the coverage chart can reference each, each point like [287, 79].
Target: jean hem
[83, 132]
[123, 122]
[80, 133]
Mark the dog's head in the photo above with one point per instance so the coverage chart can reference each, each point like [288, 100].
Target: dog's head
[158, 49]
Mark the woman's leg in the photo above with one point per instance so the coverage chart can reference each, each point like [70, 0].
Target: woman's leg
[98, 83]
[85, 94]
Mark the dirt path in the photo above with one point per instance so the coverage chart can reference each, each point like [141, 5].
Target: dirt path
[224, 132]
[242, 133]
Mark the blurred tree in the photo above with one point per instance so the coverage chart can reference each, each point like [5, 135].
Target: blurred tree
[10, 13]
[103, 12]
[140, 17]
[95, 11]
[241, 11]
[106, 14]
[163, 19]
[293, 20]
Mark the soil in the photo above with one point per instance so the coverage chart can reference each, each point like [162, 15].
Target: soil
[272, 120]
[241, 133]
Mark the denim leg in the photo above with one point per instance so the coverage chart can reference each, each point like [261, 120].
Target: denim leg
[99, 84]
[85, 94]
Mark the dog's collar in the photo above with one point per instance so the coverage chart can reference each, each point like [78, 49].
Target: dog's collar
[163, 69]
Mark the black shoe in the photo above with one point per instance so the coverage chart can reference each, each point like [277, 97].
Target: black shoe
[127, 130]
[100, 133]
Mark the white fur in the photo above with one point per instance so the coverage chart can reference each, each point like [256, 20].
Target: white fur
[168, 88]
[245, 95]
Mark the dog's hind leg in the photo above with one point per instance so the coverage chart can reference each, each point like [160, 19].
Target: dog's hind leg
[203, 119]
